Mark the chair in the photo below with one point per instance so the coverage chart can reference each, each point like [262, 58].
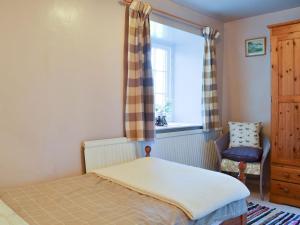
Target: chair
[254, 168]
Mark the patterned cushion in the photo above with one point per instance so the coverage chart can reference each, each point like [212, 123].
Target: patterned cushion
[228, 165]
[244, 134]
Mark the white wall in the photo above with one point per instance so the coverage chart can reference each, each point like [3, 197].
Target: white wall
[247, 80]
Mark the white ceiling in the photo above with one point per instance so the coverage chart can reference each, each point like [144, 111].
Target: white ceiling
[228, 10]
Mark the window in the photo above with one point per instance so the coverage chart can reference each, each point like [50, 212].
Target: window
[177, 60]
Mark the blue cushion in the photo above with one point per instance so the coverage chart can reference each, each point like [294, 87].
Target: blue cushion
[245, 154]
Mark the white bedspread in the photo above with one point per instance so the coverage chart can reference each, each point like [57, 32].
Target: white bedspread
[196, 191]
[8, 216]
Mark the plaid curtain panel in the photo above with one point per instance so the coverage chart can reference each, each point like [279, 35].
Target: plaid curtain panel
[139, 109]
[209, 87]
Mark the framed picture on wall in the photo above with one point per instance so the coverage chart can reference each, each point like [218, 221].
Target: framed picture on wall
[255, 46]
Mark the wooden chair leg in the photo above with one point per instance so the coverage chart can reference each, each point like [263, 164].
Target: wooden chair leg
[242, 175]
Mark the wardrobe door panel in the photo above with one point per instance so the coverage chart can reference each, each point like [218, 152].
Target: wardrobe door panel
[285, 132]
[288, 148]
[286, 78]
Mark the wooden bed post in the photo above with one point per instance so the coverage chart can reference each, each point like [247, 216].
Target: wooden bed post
[147, 150]
[241, 220]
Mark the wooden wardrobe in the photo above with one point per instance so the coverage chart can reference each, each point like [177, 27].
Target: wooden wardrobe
[285, 154]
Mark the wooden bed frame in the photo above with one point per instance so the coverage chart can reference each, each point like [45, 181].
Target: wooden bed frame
[241, 220]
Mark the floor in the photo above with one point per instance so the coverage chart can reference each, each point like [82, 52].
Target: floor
[255, 198]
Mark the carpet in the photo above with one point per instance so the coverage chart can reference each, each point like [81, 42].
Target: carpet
[263, 215]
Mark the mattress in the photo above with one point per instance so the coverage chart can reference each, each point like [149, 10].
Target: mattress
[196, 191]
[92, 200]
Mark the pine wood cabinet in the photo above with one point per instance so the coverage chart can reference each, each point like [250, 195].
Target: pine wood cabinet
[285, 154]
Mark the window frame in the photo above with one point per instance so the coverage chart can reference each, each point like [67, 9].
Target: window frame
[160, 42]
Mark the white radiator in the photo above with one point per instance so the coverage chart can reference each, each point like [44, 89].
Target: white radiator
[193, 147]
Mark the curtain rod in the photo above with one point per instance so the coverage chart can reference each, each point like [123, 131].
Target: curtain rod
[163, 13]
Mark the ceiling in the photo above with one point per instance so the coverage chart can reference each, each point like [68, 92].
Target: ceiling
[228, 10]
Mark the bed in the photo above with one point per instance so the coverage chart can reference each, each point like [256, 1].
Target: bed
[100, 197]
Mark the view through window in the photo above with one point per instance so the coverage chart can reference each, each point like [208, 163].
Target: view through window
[177, 61]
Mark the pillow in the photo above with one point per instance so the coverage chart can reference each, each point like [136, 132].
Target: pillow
[244, 134]
[246, 154]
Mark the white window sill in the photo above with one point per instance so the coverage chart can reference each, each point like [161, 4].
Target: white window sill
[175, 127]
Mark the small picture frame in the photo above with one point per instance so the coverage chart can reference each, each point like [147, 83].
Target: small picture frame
[255, 46]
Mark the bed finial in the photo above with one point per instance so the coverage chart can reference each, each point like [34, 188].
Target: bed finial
[242, 175]
[147, 150]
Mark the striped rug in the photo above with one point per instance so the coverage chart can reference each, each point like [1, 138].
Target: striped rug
[262, 215]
